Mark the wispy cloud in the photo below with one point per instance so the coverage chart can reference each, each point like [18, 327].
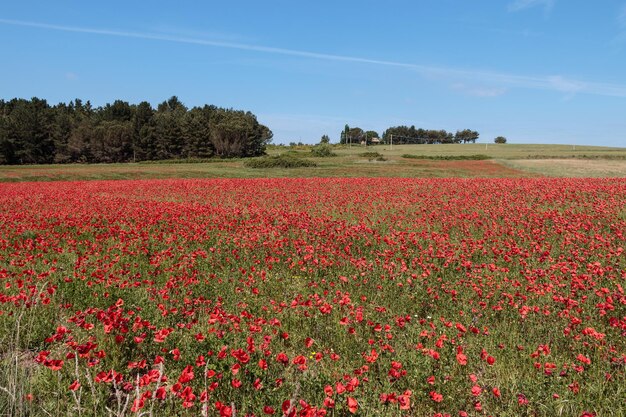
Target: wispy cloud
[518, 5]
[485, 92]
[621, 18]
[557, 83]
[621, 21]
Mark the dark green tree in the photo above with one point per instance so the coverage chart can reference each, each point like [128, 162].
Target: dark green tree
[466, 135]
[345, 133]
[196, 134]
[30, 131]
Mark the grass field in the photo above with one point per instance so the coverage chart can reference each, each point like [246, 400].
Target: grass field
[508, 161]
[506, 151]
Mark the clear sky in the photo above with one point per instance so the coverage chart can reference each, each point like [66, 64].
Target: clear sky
[535, 71]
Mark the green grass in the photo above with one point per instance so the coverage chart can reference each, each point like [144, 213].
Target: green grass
[508, 160]
[492, 150]
[278, 161]
[477, 157]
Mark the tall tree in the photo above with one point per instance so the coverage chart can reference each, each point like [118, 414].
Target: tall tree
[466, 135]
[345, 133]
[30, 131]
[143, 137]
[197, 134]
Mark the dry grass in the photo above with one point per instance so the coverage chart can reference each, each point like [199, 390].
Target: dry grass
[570, 167]
[505, 151]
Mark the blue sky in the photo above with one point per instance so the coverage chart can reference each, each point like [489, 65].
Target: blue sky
[535, 71]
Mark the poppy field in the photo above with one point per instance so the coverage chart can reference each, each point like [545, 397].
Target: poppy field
[313, 297]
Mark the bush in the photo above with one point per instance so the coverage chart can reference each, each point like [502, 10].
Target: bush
[279, 161]
[370, 155]
[322, 151]
[500, 139]
[373, 156]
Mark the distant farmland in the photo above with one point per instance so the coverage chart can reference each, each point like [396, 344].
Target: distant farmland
[507, 160]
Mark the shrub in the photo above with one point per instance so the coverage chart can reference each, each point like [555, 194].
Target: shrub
[500, 139]
[370, 155]
[279, 161]
[373, 156]
[322, 151]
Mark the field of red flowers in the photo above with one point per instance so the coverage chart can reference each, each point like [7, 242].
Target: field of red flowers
[313, 297]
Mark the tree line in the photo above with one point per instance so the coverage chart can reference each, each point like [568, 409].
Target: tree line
[34, 132]
[408, 135]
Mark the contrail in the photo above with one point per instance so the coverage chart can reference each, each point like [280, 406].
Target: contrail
[552, 83]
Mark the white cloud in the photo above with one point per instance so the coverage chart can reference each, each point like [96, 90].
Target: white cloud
[561, 83]
[557, 83]
[518, 5]
[485, 92]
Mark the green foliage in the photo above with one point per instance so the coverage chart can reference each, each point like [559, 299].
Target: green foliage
[33, 132]
[322, 151]
[370, 155]
[411, 135]
[279, 161]
[476, 157]
[500, 139]
[466, 135]
[373, 156]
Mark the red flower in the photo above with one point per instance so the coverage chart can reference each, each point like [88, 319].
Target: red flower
[282, 358]
[436, 397]
[186, 375]
[405, 401]
[353, 405]
[340, 388]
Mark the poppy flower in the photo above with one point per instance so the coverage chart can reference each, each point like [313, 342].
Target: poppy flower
[353, 405]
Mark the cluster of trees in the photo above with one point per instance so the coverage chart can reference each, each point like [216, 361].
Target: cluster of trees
[357, 135]
[33, 132]
[407, 135]
[410, 135]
